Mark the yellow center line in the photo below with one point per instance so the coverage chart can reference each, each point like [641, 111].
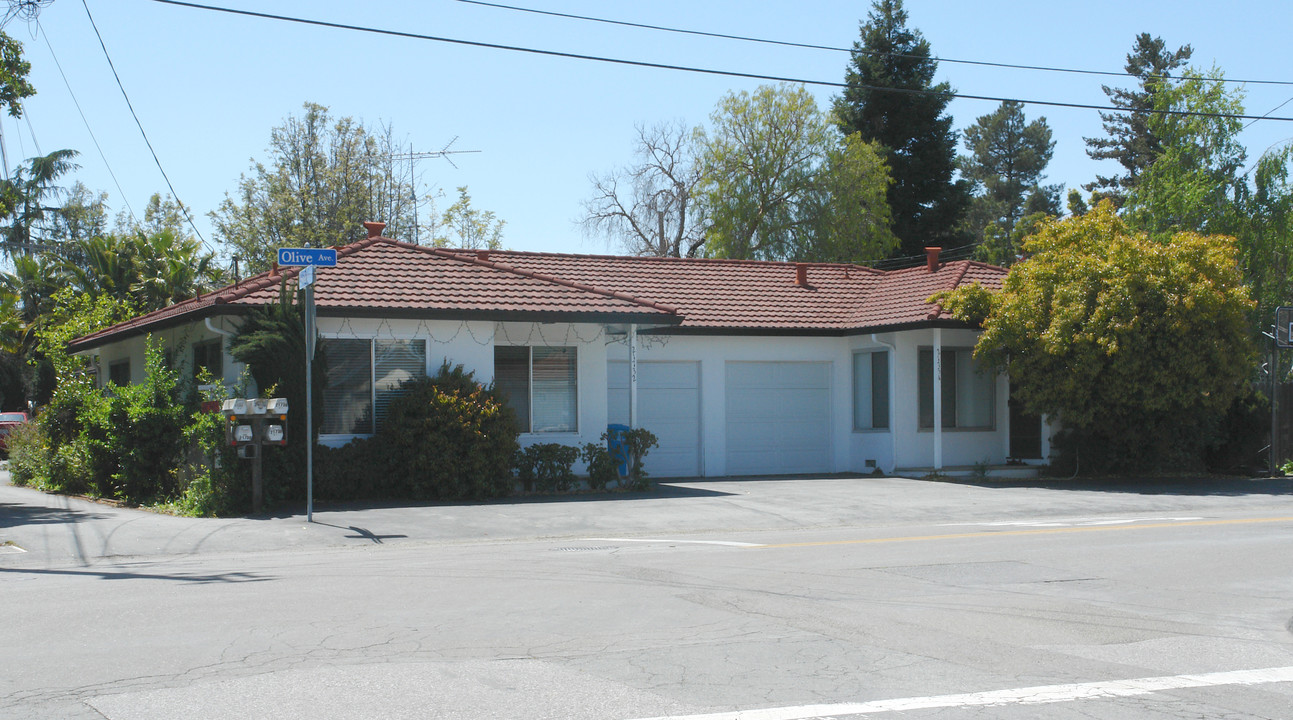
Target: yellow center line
[1041, 531]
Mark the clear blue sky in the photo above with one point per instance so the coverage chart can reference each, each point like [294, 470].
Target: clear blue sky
[208, 87]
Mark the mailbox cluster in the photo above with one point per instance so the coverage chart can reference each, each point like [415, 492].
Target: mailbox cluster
[253, 422]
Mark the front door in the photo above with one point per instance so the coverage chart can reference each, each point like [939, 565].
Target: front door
[1025, 431]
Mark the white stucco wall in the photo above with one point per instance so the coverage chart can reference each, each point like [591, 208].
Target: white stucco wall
[902, 445]
[181, 338]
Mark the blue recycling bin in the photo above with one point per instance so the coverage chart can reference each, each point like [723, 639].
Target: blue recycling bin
[615, 435]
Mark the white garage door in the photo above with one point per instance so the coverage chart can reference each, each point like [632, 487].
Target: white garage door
[668, 405]
[778, 418]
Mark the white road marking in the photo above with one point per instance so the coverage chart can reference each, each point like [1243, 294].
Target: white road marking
[725, 543]
[1073, 522]
[1020, 696]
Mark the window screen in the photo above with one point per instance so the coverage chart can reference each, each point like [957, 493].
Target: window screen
[348, 392]
[540, 384]
[968, 395]
[395, 362]
[512, 380]
[552, 395]
[119, 372]
[871, 390]
[209, 355]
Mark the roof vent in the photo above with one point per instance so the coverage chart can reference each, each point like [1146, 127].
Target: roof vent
[801, 274]
[374, 228]
[482, 255]
[931, 257]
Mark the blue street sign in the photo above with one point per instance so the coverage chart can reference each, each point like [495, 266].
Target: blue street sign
[289, 257]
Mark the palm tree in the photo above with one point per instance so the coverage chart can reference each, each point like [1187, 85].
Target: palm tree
[22, 197]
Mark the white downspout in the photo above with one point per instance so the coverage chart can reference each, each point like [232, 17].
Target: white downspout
[633, 376]
[216, 330]
[938, 399]
[893, 393]
[223, 333]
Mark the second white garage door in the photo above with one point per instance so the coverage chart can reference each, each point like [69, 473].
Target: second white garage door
[668, 405]
[778, 418]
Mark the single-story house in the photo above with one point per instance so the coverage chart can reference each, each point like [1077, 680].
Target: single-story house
[742, 367]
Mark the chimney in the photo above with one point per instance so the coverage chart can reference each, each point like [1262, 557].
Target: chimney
[273, 269]
[374, 228]
[482, 255]
[931, 257]
[801, 274]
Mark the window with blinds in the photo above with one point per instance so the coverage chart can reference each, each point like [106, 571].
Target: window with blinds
[395, 362]
[512, 380]
[540, 384]
[364, 378]
[348, 391]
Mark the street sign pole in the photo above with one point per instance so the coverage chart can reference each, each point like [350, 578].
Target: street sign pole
[1283, 338]
[308, 280]
[309, 258]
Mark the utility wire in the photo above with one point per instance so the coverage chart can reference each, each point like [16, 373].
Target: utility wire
[873, 53]
[1268, 112]
[40, 29]
[705, 71]
[141, 131]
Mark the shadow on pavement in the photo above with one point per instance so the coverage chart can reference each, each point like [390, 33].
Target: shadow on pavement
[362, 533]
[195, 579]
[1190, 486]
[662, 490]
[18, 514]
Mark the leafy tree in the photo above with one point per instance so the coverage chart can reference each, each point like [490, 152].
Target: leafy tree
[1263, 223]
[778, 184]
[13, 76]
[892, 99]
[1131, 140]
[463, 226]
[325, 177]
[1191, 182]
[161, 215]
[1139, 347]
[83, 215]
[1005, 165]
[651, 207]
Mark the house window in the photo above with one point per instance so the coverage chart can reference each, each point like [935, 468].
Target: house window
[364, 377]
[209, 355]
[119, 372]
[969, 395]
[539, 384]
[871, 390]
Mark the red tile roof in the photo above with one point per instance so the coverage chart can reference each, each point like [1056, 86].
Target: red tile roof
[380, 277]
[755, 295]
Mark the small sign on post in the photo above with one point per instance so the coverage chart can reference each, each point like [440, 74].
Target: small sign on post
[306, 278]
[1284, 327]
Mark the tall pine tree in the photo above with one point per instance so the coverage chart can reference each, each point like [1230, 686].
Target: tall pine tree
[892, 99]
[1132, 140]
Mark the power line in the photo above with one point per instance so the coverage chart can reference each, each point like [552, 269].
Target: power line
[704, 71]
[76, 102]
[873, 53]
[141, 131]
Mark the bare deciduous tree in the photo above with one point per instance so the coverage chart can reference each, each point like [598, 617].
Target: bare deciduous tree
[650, 207]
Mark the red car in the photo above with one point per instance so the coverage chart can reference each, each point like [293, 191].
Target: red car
[9, 421]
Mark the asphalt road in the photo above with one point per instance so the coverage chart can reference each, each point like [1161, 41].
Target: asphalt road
[754, 599]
